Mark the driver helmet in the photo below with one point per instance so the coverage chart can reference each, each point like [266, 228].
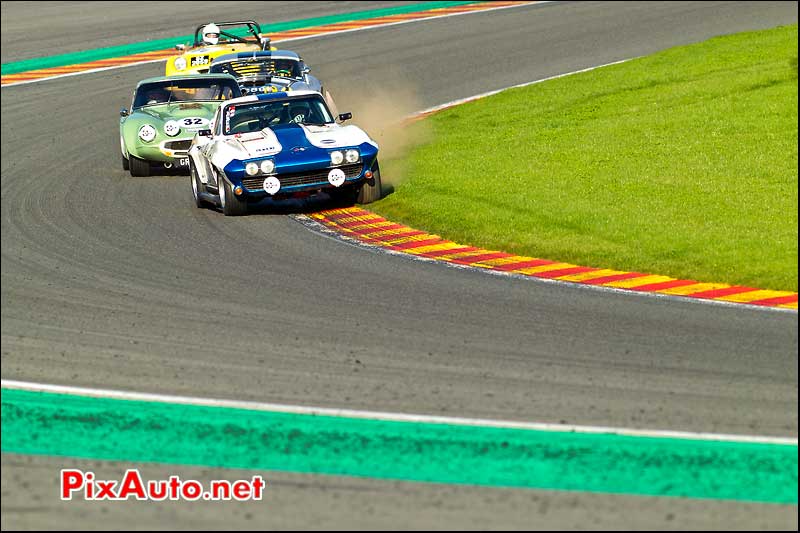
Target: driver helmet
[211, 34]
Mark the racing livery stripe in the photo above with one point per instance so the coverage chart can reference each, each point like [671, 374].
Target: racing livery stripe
[276, 37]
[374, 230]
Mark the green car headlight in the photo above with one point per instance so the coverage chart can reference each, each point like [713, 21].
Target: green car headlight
[147, 133]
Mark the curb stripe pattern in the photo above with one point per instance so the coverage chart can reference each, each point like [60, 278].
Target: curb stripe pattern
[40, 74]
[370, 228]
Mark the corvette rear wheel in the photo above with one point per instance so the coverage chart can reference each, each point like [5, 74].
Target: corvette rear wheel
[371, 193]
[139, 167]
[231, 204]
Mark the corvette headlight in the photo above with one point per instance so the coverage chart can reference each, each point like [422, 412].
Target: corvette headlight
[267, 166]
[172, 128]
[352, 156]
[147, 133]
[337, 157]
[251, 168]
[180, 63]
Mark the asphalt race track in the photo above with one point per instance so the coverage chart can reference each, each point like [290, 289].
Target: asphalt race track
[116, 282]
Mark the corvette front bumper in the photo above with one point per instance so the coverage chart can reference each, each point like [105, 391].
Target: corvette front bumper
[314, 180]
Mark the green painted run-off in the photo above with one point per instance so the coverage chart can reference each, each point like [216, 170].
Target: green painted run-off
[137, 431]
[162, 44]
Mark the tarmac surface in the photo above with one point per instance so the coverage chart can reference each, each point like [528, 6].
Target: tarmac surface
[116, 282]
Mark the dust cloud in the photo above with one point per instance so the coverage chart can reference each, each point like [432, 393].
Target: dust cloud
[383, 113]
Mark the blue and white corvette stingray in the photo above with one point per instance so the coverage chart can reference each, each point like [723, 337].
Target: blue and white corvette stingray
[281, 145]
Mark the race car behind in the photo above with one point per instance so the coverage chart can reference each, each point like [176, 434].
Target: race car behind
[213, 40]
[165, 113]
[267, 71]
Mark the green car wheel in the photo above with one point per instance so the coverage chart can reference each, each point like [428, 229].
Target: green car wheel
[139, 167]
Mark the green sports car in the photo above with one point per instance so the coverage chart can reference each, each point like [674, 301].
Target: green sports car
[165, 114]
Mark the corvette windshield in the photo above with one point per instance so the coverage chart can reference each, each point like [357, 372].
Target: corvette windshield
[194, 90]
[284, 68]
[256, 116]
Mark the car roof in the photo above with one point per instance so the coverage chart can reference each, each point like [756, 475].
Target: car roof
[186, 77]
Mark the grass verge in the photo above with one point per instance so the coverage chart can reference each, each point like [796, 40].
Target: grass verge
[681, 163]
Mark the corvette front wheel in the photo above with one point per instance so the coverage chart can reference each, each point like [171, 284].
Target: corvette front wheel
[125, 164]
[371, 193]
[231, 204]
[197, 185]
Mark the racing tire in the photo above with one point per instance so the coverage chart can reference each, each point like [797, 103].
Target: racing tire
[125, 163]
[139, 167]
[197, 186]
[371, 193]
[231, 205]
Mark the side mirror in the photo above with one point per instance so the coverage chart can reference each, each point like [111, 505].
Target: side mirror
[345, 116]
[204, 133]
[180, 47]
[265, 43]
[123, 112]
[306, 70]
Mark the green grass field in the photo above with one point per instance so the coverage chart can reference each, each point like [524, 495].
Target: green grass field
[682, 163]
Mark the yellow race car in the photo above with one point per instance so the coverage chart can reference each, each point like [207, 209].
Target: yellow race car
[210, 41]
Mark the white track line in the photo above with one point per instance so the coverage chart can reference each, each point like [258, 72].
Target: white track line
[388, 24]
[394, 417]
[460, 101]
[291, 39]
[90, 71]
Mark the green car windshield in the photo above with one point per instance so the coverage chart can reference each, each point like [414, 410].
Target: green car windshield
[256, 116]
[192, 90]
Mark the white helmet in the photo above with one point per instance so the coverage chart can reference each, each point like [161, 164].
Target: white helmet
[211, 34]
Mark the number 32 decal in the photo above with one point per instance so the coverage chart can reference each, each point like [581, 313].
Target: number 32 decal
[196, 121]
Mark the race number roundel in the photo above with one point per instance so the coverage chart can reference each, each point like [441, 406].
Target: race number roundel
[193, 123]
[272, 185]
[336, 177]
